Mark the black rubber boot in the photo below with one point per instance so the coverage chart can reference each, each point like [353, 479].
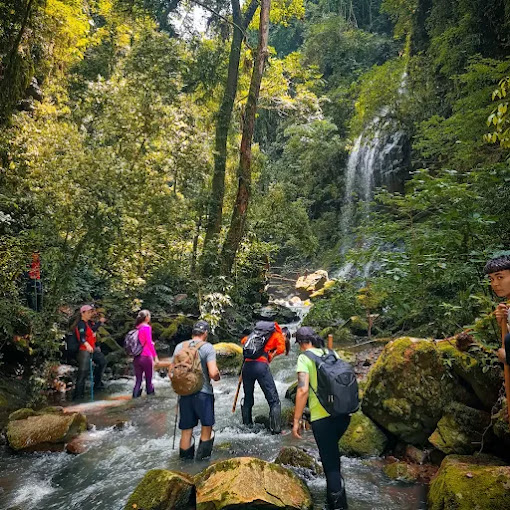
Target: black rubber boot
[188, 454]
[204, 449]
[275, 418]
[138, 393]
[338, 500]
[246, 414]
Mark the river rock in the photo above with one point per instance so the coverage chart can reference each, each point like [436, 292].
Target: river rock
[409, 387]
[466, 482]
[161, 489]
[299, 458]
[44, 432]
[501, 428]
[307, 285]
[291, 392]
[229, 357]
[363, 438]
[410, 472]
[460, 430]
[275, 312]
[247, 482]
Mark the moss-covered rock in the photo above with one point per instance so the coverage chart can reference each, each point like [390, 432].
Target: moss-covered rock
[21, 414]
[460, 430]
[409, 387]
[300, 458]
[45, 431]
[307, 285]
[274, 312]
[288, 416]
[161, 489]
[363, 438]
[501, 429]
[291, 392]
[229, 357]
[247, 482]
[347, 356]
[470, 483]
[401, 471]
[177, 329]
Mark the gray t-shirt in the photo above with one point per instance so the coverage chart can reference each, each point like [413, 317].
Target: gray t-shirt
[207, 353]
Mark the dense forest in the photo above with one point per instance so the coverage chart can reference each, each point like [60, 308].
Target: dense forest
[146, 164]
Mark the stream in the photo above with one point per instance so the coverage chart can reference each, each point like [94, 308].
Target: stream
[117, 459]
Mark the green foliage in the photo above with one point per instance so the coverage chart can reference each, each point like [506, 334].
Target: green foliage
[499, 118]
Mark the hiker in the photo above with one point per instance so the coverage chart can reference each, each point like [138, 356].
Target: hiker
[198, 406]
[498, 270]
[144, 362]
[85, 332]
[256, 368]
[326, 429]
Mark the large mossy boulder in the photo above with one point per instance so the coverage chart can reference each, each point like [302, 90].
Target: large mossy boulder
[161, 489]
[44, 431]
[409, 387]
[298, 458]
[274, 312]
[363, 438]
[307, 285]
[470, 483]
[229, 357]
[291, 392]
[461, 429]
[247, 482]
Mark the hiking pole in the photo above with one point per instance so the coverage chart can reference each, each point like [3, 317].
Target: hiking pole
[238, 388]
[175, 422]
[504, 332]
[91, 379]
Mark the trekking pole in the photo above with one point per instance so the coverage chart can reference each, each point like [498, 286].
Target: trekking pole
[175, 422]
[238, 388]
[91, 379]
[330, 342]
[504, 332]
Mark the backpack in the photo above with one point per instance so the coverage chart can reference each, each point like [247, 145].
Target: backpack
[132, 344]
[72, 344]
[187, 375]
[337, 388]
[257, 340]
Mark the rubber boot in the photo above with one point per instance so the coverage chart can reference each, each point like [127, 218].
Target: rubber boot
[246, 414]
[188, 454]
[338, 500]
[137, 393]
[204, 449]
[275, 418]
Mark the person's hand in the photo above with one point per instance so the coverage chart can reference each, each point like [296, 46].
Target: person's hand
[102, 320]
[89, 348]
[296, 429]
[501, 313]
[502, 355]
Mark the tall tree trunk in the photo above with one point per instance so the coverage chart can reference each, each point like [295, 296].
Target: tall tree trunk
[237, 223]
[215, 213]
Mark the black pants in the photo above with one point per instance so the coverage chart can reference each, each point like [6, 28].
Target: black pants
[327, 433]
[507, 348]
[258, 371]
[83, 359]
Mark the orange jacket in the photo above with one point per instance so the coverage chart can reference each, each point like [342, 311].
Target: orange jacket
[274, 347]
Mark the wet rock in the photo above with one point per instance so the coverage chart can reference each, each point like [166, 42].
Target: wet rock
[21, 414]
[307, 285]
[121, 425]
[501, 429]
[460, 430]
[415, 455]
[410, 472]
[229, 357]
[44, 432]
[246, 482]
[295, 300]
[363, 438]
[409, 387]
[298, 457]
[262, 419]
[288, 416]
[76, 446]
[466, 482]
[291, 392]
[161, 489]
[275, 312]
[323, 291]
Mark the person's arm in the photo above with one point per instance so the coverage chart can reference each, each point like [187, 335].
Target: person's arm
[212, 367]
[501, 313]
[150, 344]
[82, 335]
[301, 400]
[275, 345]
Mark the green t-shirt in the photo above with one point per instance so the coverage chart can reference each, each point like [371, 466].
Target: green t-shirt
[305, 364]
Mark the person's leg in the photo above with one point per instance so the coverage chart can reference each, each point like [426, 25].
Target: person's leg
[248, 388]
[266, 382]
[148, 366]
[100, 364]
[185, 441]
[327, 433]
[83, 370]
[188, 420]
[138, 368]
[205, 409]
[507, 348]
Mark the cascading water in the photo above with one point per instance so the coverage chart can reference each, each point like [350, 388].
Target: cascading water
[104, 476]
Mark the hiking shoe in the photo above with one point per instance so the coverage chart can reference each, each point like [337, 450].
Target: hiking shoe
[188, 454]
[204, 449]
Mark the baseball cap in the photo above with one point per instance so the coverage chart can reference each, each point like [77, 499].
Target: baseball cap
[86, 308]
[201, 327]
[305, 334]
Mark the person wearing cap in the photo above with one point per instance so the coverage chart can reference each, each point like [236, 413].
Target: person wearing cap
[326, 429]
[257, 370]
[200, 405]
[85, 331]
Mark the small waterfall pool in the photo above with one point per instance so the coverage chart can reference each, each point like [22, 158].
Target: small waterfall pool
[105, 475]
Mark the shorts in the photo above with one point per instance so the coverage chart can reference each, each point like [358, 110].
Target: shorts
[192, 408]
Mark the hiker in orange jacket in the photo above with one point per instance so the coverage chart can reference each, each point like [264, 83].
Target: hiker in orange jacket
[258, 370]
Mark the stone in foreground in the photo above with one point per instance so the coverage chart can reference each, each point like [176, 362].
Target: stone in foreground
[247, 482]
[466, 482]
[297, 457]
[161, 489]
[363, 438]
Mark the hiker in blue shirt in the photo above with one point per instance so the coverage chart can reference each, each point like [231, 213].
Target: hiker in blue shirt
[326, 429]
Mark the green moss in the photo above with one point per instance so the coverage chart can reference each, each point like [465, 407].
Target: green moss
[161, 489]
[176, 326]
[470, 483]
[400, 471]
[363, 438]
[288, 416]
[229, 357]
[296, 457]
[21, 414]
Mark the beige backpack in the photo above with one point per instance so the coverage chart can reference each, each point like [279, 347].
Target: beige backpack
[186, 373]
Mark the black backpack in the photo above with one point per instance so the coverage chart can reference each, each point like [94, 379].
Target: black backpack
[72, 344]
[255, 343]
[337, 388]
